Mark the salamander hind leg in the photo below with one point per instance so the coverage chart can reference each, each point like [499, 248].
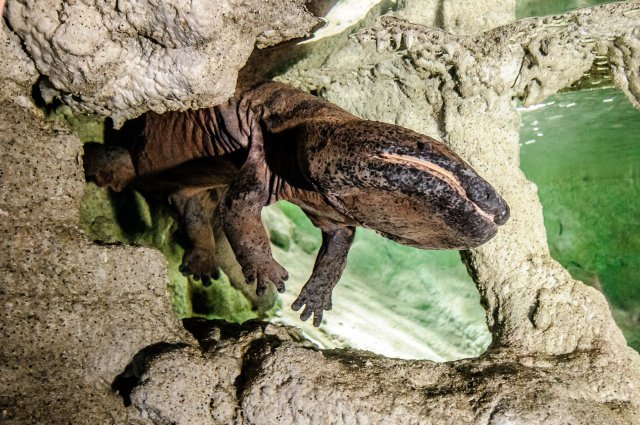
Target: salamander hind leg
[196, 212]
[330, 263]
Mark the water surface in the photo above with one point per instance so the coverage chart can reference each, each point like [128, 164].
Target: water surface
[582, 150]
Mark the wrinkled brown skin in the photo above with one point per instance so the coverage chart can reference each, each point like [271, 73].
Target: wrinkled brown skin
[274, 142]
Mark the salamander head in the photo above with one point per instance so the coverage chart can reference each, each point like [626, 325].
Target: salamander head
[408, 187]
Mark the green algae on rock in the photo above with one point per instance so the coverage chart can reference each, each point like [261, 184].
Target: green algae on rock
[130, 218]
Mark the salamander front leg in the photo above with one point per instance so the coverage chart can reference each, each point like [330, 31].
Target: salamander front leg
[242, 223]
[330, 262]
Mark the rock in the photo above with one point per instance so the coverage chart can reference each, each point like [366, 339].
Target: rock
[472, 17]
[122, 61]
[18, 70]
[74, 313]
[263, 374]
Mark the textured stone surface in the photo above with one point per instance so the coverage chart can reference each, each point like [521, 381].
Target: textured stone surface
[624, 56]
[73, 314]
[470, 17]
[265, 375]
[18, 71]
[122, 58]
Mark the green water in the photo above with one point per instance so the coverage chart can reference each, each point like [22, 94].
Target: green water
[582, 150]
[528, 8]
[392, 299]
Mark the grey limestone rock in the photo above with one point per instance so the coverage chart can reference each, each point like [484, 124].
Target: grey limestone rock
[123, 58]
[18, 71]
[471, 17]
[73, 313]
[262, 374]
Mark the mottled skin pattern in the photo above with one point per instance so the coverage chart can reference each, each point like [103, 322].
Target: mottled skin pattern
[274, 142]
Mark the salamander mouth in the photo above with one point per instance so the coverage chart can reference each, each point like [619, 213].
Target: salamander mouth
[440, 173]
